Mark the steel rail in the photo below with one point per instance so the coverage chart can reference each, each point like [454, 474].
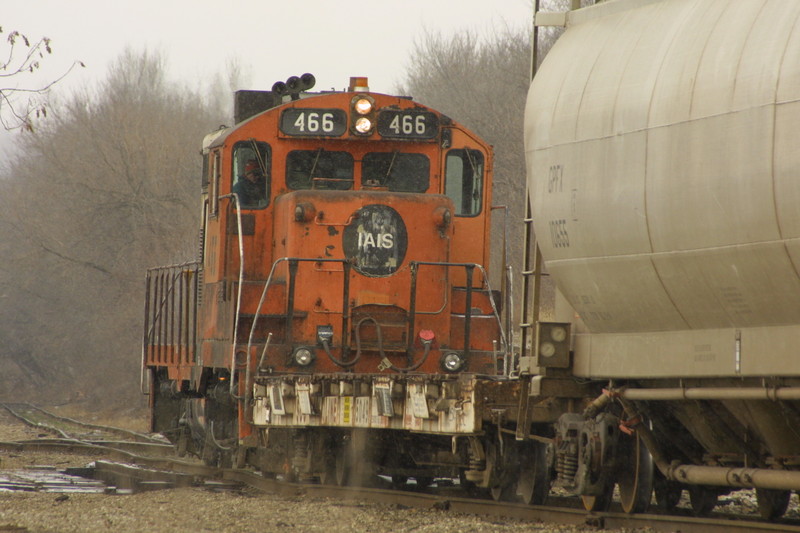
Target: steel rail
[16, 411]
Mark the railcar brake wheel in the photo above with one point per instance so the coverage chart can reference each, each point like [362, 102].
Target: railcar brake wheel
[635, 478]
[772, 504]
[533, 484]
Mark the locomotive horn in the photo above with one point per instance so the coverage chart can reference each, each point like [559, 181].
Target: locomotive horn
[279, 88]
[293, 84]
[307, 81]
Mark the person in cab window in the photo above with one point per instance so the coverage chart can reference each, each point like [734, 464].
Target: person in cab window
[251, 187]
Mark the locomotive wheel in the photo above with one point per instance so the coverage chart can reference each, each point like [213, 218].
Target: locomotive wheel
[703, 500]
[353, 464]
[182, 442]
[772, 504]
[341, 467]
[210, 454]
[635, 479]
[423, 482]
[533, 485]
[399, 482]
[503, 480]
[328, 476]
[240, 457]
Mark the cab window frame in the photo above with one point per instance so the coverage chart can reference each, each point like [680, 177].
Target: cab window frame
[244, 151]
[465, 176]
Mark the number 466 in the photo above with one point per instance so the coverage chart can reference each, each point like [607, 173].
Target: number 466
[313, 122]
[408, 124]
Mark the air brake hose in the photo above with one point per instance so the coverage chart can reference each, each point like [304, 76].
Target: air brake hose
[345, 364]
[352, 362]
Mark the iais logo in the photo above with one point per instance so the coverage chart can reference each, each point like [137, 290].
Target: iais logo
[376, 240]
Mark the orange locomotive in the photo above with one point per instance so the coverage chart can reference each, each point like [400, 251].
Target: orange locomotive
[340, 307]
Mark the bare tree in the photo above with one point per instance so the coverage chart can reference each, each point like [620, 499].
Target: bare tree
[105, 188]
[22, 96]
[483, 84]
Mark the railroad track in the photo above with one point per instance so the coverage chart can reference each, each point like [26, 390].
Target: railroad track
[73, 435]
[69, 428]
[145, 471]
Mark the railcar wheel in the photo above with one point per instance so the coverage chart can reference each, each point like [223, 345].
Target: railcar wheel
[635, 479]
[469, 486]
[703, 500]
[503, 492]
[600, 502]
[533, 484]
[668, 493]
[772, 504]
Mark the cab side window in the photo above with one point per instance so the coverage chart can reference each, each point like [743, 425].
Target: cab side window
[252, 168]
[464, 180]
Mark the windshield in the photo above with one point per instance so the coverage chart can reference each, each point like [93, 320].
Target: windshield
[400, 172]
[319, 169]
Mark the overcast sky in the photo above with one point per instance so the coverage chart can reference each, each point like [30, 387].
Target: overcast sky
[333, 39]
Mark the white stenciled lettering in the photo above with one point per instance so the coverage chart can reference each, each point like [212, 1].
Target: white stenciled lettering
[366, 240]
[386, 240]
[381, 240]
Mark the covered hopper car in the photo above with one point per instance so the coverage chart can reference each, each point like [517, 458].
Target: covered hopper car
[664, 180]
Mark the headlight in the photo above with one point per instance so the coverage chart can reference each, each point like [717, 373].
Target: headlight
[452, 362]
[547, 349]
[304, 212]
[363, 125]
[363, 106]
[303, 356]
[442, 217]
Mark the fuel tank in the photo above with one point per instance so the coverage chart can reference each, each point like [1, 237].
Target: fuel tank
[663, 161]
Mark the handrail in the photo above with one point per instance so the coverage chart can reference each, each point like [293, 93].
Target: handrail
[237, 204]
[414, 265]
[289, 310]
